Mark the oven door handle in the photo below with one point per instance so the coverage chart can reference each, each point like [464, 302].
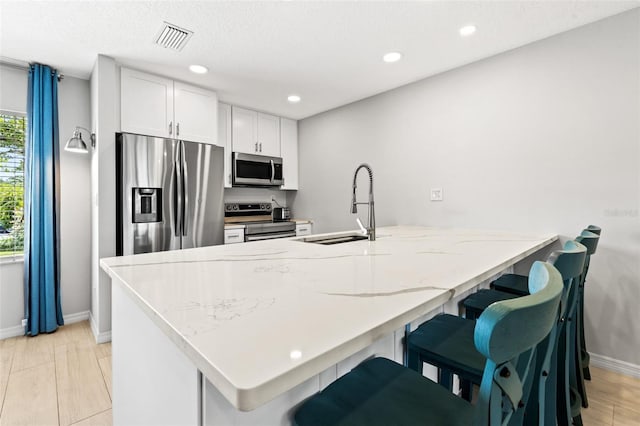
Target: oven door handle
[261, 237]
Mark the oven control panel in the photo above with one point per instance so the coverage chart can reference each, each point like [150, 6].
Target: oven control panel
[247, 209]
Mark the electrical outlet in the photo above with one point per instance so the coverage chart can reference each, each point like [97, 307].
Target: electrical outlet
[24, 322]
[436, 194]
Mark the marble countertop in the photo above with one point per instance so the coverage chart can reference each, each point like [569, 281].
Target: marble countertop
[257, 319]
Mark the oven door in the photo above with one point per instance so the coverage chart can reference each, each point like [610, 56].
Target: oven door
[256, 170]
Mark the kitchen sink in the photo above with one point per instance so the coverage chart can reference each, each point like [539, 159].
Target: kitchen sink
[327, 240]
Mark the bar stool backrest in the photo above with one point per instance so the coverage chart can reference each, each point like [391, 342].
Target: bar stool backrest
[507, 333]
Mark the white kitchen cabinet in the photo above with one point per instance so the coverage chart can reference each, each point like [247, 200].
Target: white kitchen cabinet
[195, 113]
[244, 130]
[269, 134]
[289, 152]
[224, 139]
[254, 132]
[304, 228]
[146, 104]
[158, 106]
[233, 236]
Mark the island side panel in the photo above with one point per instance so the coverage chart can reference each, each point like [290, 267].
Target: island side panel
[154, 383]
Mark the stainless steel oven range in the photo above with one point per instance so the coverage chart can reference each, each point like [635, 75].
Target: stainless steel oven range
[258, 220]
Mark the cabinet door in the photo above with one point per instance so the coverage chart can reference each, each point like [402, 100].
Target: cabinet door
[146, 104]
[224, 139]
[268, 135]
[196, 113]
[244, 130]
[289, 151]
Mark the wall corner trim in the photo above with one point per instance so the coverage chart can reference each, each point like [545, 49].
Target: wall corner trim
[615, 365]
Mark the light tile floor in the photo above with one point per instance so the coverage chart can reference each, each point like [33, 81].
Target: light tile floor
[64, 378]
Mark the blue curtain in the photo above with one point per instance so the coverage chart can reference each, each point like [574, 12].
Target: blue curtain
[42, 195]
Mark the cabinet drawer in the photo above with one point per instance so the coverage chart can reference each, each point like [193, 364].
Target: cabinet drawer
[232, 236]
[303, 229]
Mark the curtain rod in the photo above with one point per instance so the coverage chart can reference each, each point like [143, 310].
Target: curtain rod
[24, 68]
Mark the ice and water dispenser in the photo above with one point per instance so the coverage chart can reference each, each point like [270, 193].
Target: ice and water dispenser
[147, 205]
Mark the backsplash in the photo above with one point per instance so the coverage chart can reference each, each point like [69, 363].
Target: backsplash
[254, 194]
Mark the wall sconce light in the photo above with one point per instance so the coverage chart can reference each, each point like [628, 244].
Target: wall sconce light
[76, 144]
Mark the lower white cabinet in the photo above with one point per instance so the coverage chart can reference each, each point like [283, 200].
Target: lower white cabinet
[304, 228]
[233, 236]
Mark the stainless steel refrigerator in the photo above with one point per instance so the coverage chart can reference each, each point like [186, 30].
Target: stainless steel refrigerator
[169, 194]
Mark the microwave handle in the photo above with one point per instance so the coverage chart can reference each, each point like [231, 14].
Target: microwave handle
[273, 171]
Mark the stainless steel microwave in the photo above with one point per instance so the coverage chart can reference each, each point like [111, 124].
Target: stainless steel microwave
[256, 170]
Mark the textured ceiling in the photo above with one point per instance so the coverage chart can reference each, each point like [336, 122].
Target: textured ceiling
[259, 52]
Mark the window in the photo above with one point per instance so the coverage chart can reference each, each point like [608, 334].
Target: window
[12, 140]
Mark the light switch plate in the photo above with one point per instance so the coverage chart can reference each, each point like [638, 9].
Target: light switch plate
[436, 194]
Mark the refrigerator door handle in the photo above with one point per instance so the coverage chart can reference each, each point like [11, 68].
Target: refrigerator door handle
[178, 194]
[184, 188]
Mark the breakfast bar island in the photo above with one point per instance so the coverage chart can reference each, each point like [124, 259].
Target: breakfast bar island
[241, 334]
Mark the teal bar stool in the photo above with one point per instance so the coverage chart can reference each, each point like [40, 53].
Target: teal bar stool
[571, 395]
[585, 355]
[590, 240]
[446, 342]
[382, 392]
[517, 284]
[570, 262]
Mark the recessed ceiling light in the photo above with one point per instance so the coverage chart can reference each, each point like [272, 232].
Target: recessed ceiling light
[198, 69]
[392, 57]
[467, 30]
[294, 99]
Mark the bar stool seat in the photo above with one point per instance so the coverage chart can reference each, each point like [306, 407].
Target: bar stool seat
[356, 398]
[447, 340]
[512, 283]
[477, 302]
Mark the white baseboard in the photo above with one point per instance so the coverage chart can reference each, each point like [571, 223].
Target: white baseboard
[8, 332]
[80, 316]
[103, 337]
[18, 330]
[611, 364]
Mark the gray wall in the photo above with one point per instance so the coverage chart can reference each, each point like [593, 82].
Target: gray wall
[75, 221]
[543, 138]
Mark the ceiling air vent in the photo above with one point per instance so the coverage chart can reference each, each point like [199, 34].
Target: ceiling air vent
[173, 37]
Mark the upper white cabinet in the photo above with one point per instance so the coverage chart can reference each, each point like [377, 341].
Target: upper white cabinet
[289, 151]
[244, 130]
[269, 134]
[195, 113]
[146, 103]
[255, 132]
[224, 139]
[157, 106]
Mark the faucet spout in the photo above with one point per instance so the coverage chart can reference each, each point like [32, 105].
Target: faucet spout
[371, 226]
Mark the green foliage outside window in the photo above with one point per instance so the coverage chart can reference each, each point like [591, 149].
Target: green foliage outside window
[12, 138]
